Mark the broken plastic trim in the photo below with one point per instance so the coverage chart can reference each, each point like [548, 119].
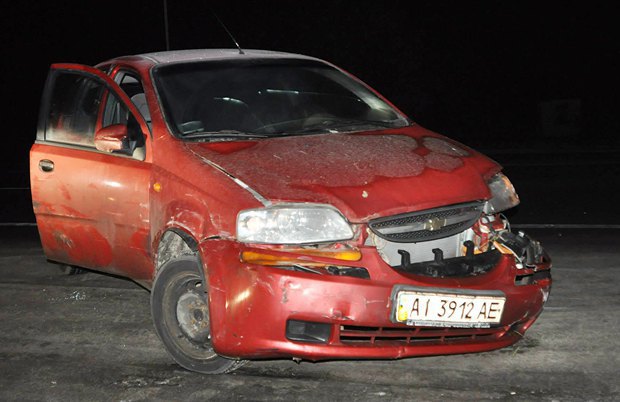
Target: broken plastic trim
[355, 272]
[527, 250]
[468, 265]
[521, 280]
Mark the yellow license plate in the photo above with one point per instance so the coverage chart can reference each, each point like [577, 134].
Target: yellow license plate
[448, 310]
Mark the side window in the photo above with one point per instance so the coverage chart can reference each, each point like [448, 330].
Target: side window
[116, 112]
[74, 107]
[133, 88]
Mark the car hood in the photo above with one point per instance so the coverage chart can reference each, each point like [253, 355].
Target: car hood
[365, 175]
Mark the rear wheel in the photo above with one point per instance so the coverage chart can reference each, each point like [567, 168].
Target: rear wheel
[180, 309]
[72, 270]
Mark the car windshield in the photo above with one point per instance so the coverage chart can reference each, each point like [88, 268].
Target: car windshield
[264, 98]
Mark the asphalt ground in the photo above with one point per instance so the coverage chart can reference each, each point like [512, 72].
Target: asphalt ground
[90, 337]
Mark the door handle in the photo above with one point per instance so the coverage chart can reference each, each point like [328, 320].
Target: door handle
[46, 165]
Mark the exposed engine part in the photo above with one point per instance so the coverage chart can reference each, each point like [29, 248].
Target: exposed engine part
[481, 234]
[420, 251]
[456, 254]
[486, 230]
[468, 265]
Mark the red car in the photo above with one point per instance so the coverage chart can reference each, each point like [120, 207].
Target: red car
[277, 207]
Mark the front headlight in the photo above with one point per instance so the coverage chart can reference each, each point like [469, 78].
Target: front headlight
[503, 195]
[292, 224]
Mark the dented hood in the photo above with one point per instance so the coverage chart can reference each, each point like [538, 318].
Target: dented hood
[364, 175]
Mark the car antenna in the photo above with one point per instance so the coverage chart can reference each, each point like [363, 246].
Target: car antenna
[167, 32]
[228, 32]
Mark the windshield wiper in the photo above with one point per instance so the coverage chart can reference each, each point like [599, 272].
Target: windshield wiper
[221, 135]
[337, 125]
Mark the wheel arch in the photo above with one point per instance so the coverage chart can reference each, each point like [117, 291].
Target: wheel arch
[175, 242]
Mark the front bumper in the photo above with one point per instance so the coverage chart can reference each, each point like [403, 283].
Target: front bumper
[250, 306]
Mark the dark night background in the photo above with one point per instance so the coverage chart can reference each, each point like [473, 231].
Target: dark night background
[535, 82]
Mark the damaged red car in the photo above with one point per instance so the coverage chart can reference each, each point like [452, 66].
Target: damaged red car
[278, 207]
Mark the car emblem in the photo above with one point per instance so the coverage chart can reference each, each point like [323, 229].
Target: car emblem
[434, 224]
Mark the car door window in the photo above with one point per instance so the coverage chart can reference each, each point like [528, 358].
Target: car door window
[75, 112]
[132, 86]
[115, 112]
[74, 108]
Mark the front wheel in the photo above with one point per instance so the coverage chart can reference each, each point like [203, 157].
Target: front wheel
[180, 309]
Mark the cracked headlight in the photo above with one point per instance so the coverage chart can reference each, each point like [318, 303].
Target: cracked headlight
[503, 195]
[292, 224]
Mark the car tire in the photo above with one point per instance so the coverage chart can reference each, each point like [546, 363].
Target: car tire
[180, 310]
[72, 270]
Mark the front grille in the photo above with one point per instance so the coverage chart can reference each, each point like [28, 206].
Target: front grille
[427, 225]
[350, 334]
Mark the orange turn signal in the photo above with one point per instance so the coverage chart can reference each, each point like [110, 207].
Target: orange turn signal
[348, 254]
[262, 258]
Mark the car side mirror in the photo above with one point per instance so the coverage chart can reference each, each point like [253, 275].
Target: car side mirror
[111, 138]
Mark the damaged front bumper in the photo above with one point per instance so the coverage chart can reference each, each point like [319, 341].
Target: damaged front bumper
[261, 311]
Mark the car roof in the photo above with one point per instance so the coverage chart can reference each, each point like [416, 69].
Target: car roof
[190, 55]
